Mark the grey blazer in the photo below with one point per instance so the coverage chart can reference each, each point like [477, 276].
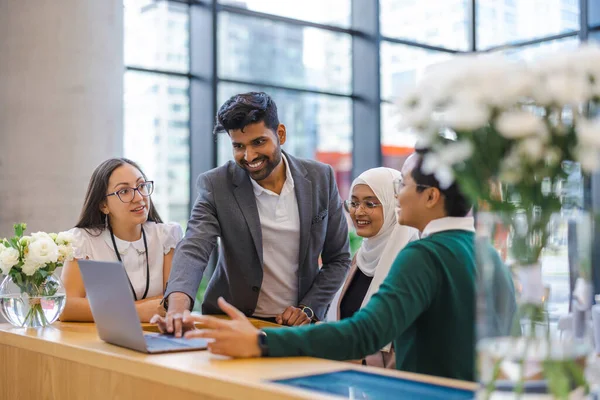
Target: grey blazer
[226, 209]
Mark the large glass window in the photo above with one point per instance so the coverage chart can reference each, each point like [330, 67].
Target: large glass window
[156, 35]
[330, 12]
[433, 22]
[303, 63]
[531, 52]
[157, 133]
[319, 127]
[402, 67]
[500, 22]
[259, 50]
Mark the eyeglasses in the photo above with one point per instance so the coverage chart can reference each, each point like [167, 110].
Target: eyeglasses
[127, 195]
[399, 184]
[368, 206]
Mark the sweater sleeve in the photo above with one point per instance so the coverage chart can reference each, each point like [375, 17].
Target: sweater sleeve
[406, 292]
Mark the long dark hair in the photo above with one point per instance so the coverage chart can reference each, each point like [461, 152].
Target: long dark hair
[91, 218]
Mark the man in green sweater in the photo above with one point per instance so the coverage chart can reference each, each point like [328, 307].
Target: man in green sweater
[426, 305]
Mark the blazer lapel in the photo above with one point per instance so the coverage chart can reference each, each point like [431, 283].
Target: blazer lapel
[244, 195]
[304, 196]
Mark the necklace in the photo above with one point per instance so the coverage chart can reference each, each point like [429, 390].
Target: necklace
[112, 236]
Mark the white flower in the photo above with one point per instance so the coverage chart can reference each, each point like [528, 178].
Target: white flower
[567, 88]
[9, 257]
[532, 148]
[456, 152]
[64, 238]
[588, 132]
[40, 236]
[43, 251]
[30, 267]
[511, 169]
[519, 124]
[415, 111]
[445, 176]
[25, 240]
[433, 164]
[466, 115]
[589, 158]
[65, 253]
[553, 156]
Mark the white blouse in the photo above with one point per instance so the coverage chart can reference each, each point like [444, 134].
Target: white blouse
[161, 238]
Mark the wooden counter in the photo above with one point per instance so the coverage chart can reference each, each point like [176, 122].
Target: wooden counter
[68, 361]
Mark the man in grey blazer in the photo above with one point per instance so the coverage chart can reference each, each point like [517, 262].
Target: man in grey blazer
[275, 216]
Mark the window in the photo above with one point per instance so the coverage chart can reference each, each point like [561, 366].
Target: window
[540, 49]
[402, 66]
[147, 24]
[330, 12]
[525, 20]
[151, 144]
[258, 50]
[431, 22]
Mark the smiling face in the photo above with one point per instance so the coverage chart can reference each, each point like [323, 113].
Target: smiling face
[367, 221]
[132, 213]
[257, 149]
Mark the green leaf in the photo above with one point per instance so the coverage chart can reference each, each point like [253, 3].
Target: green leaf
[14, 243]
[19, 228]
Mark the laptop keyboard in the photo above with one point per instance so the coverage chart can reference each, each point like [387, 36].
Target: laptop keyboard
[155, 342]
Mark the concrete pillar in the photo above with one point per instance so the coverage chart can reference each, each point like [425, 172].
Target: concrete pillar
[61, 106]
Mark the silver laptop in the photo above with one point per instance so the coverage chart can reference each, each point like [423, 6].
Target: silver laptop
[113, 308]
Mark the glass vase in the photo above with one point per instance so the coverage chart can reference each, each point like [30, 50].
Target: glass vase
[32, 305]
[534, 293]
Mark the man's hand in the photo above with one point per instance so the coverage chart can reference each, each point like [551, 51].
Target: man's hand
[292, 316]
[173, 321]
[235, 338]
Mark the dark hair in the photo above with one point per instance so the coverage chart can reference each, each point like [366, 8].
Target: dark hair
[91, 218]
[245, 109]
[456, 204]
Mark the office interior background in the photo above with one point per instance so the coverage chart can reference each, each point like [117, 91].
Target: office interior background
[333, 67]
[84, 81]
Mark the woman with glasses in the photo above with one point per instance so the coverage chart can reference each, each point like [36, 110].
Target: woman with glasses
[372, 210]
[119, 223]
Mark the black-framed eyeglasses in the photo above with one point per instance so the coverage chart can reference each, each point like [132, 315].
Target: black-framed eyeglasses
[399, 184]
[368, 206]
[126, 195]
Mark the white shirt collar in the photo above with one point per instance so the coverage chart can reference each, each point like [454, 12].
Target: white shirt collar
[288, 186]
[449, 224]
[123, 245]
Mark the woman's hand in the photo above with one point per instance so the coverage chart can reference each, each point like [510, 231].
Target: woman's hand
[147, 308]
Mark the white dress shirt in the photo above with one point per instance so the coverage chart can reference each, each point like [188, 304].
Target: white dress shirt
[161, 238]
[280, 224]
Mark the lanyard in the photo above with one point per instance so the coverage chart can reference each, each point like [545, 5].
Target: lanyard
[112, 236]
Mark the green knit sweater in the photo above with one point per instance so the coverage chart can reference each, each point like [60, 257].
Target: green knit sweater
[426, 306]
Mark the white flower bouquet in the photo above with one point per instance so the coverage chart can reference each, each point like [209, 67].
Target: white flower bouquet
[513, 122]
[491, 122]
[29, 262]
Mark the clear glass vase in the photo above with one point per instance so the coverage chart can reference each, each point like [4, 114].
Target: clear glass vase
[32, 306]
[533, 298]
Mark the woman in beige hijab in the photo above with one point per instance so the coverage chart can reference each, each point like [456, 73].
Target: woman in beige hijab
[372, 209]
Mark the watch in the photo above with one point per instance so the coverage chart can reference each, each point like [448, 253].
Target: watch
[262, 344]
[309, 312]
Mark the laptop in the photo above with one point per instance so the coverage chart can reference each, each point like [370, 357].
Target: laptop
[113, 308]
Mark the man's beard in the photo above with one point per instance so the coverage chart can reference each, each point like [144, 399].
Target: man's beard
[269, 166]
